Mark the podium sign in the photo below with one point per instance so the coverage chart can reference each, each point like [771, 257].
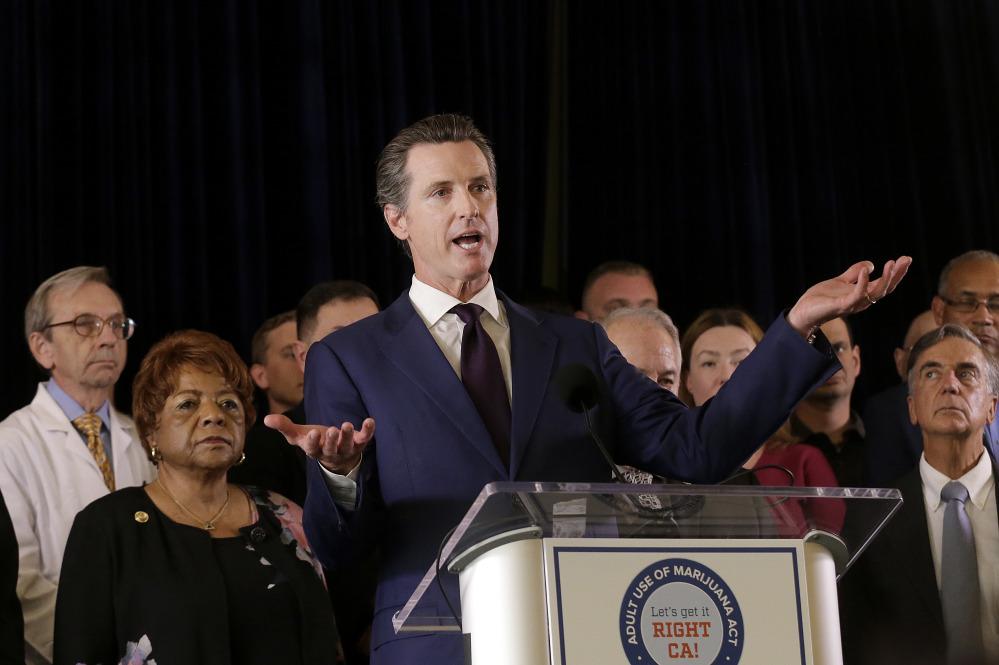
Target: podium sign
[562, 574]
[681, 601]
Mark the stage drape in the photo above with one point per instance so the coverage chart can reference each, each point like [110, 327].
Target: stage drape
[219, 157]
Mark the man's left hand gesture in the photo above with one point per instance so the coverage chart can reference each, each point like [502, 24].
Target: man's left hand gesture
[851, 292]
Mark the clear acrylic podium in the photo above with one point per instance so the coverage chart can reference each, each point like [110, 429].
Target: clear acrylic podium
[561, 573]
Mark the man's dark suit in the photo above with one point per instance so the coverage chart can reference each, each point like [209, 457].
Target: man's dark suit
[893, 443]
[271, 463]
[432, 454]
[890, 604]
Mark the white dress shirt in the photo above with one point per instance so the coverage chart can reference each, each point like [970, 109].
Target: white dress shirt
[981, 509]
[433, 306]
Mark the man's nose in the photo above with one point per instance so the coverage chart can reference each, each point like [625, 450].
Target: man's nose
[467, 205]
[984, 315]
[950, 382]
[106, 336]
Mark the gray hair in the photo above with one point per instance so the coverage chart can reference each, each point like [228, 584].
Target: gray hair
[938, 335]
[976, 254]
[36, 314]
[652, 315]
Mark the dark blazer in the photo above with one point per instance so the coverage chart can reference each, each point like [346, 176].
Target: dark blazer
[271, 462]
[125, 577]
[11, 619]
[889, 601]
[893, 443]
[432, 454]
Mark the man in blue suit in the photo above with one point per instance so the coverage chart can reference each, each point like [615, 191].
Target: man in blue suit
[435, 448]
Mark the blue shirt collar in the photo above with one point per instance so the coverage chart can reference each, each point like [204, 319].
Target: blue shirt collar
[70, 406]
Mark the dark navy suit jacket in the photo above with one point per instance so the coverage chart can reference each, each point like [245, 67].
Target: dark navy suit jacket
[893, 443]
[889, 600]
[431, 454]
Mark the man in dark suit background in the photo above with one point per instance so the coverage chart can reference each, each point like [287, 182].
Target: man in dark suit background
[438, 443]
[895, 601]
[894, 444]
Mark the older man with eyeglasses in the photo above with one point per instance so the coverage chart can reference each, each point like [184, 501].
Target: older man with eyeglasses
[968, 294]
[69, 446]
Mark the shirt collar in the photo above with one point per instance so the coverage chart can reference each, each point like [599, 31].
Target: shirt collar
[70, 406]
[431, 304]
[978, 481]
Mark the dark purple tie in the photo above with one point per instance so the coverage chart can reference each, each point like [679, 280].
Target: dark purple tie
[482, 375]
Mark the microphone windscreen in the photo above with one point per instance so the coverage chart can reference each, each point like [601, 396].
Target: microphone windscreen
[578, 387]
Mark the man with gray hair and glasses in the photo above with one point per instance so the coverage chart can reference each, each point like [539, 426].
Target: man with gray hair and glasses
[968, 293]
[926, 590]
[69, 446]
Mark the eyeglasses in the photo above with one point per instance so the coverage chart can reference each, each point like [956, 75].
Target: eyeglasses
[969, 305]
[91, 325]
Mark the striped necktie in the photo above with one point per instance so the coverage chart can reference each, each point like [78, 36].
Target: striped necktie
[90, 425]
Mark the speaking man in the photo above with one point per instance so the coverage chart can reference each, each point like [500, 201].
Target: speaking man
[462, 383]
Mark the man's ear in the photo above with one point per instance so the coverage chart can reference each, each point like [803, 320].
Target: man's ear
[41, 349]
[912, 411]
[395, 217]
[299, 348]
[937, 305]
[992, 409]
[900, 357]
[855, 352]
[259, 375]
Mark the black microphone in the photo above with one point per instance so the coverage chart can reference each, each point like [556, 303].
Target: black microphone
[580, 391]
[578, 387]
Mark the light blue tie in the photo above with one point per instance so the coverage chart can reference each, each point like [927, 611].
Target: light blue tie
[959, 591]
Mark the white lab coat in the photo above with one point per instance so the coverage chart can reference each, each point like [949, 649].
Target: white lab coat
[47, 476]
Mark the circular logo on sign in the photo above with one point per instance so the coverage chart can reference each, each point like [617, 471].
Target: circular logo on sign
[678, 610]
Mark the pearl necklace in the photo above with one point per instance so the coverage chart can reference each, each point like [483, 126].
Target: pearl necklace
[210, 524]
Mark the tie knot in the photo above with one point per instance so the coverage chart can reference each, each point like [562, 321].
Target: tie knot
[954, 490]
[467, 312]
[89, 424]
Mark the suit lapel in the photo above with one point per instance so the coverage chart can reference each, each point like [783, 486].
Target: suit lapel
[532, 351]
[991, 440]
[912, 545]
[412, 349]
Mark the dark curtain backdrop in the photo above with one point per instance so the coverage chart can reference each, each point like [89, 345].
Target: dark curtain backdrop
[218, 157]
[745, 150]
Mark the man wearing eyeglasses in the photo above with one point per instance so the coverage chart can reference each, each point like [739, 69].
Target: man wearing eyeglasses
[968, 294]
[69, 446]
